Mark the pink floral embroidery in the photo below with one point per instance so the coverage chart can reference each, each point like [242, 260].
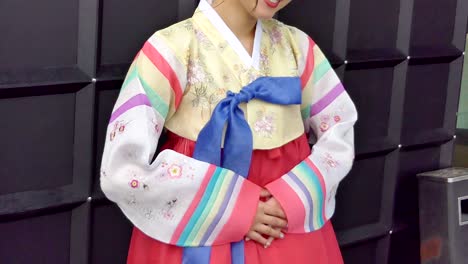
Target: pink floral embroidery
[134, 184]
[131, 200]
[329, 162]
[327, 121]
[324, 126]
[265, 124]
[157, 127]
[195, 74]
[265, 61]
[167, 211]
[202, 38]
[119, 128]
[276, 36]
[175, 171]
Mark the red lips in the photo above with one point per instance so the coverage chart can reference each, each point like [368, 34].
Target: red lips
[271, 4]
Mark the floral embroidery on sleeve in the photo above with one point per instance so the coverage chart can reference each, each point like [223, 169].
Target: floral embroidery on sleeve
[167, 212]
[119, 128]
[328, 120]
[329, 162]
[173, 171]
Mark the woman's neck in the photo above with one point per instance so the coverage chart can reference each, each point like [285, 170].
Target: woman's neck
[238, 20]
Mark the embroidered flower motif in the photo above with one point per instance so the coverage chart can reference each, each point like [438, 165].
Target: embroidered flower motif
[265, 124]
[202, 38]
[167, 212]
[187, 24]
[175, 171]
[195, 74]
[226, 78]
[134, 184]
[148, 213]
[329, 162]
[131, 199]
[167, 32]
[206, 101]
[276, 35]
[119, 128]
[324, 126]
[265, 62]
[157, 127]
[327, 121]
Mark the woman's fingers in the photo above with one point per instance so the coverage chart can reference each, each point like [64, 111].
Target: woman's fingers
[269, 231]
[275, 222]
[274, 211]
[257, 237]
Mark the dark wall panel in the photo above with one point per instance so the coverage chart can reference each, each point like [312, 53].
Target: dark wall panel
[371, 90]
[42, 239]
[104, 234]
[379, 39]
[106, 97]
[126, 25]
[37, 142]
[30, 41]
[356, 209]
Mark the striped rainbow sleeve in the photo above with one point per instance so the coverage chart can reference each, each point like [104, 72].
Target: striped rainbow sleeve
[174, 199]
[307, 192]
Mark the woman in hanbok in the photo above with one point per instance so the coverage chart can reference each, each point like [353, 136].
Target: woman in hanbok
[239, 96]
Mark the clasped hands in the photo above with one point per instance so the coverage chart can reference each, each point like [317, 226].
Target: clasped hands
[269, 221]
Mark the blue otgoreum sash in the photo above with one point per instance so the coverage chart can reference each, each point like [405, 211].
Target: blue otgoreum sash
[238, 145]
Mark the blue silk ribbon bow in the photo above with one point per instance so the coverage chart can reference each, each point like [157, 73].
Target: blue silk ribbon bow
[238, 145]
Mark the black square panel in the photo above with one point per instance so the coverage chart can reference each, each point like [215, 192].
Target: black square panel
[373, 29]
[433, 24]
[358, 208]
[38, 34]
[126, 24]
[411, 163]
[42, 239]
[37, 142]
[109, 242]
[316, 18]
[405, 246]
[360, 253]
[105, 99]
[425, 102]
[371, 91]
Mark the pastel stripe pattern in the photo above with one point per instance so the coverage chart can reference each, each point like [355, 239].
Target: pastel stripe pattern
[137, 100]
[309, 65]
[208, 208]
[156, 101]
[220, 213]
[326, 100]
[309, 183]
[165, 68]
[193, 206]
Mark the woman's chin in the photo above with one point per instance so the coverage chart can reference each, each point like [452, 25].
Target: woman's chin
[261, 13]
